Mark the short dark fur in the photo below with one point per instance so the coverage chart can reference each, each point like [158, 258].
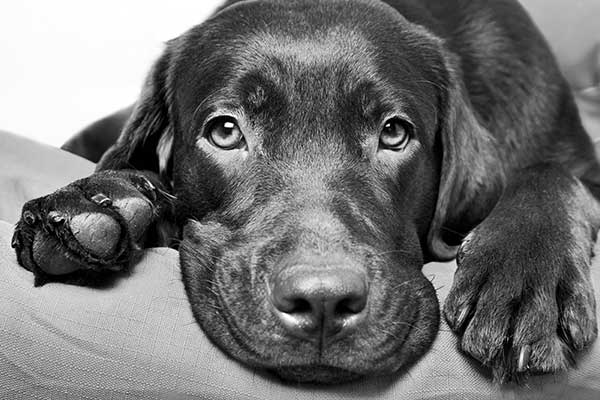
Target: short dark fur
[499, 165]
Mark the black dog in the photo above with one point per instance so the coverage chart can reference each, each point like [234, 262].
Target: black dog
[314, 154]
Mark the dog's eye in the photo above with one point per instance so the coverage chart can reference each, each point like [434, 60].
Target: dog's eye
[224, 132]
[394, 135]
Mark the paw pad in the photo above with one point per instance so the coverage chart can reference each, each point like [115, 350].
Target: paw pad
[97, 233]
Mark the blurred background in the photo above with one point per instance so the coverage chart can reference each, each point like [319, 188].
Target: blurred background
[66, 63]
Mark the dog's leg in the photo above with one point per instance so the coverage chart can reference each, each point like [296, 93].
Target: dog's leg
[522, 299]
[82, 232]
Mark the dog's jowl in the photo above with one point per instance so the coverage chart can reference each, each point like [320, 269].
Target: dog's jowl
[312, 155]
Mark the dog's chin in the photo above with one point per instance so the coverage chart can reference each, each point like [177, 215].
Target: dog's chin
[316, 374]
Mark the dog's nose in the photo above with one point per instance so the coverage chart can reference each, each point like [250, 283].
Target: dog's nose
[318, 302]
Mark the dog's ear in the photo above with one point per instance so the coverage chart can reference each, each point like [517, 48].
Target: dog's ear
[147, 138]
[469, 163]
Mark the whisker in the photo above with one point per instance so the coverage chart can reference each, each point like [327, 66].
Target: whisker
[462, 235]
[397, 323]
[219, 309]
[398, 286]
[387, 333]
[399, 251]
[166, 194]
[436, 84]
[176, 241]
[176, 298]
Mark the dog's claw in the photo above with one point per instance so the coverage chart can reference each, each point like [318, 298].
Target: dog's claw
[147, 188]
[29, 218]
[462, 316]
[524, 356]
[102, 200]
[16, 241]
[148, 185]
[56, 217]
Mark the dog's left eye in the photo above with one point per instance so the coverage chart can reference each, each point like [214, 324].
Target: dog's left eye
[394, 135]
[224, 132]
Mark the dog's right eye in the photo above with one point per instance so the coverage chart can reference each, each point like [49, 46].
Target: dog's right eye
[224, 132]
[395, 134]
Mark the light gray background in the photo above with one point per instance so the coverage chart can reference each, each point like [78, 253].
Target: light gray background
[65, 63]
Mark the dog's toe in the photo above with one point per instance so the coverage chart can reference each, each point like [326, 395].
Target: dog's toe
[51, 256]
[137, 212]
[578, 322]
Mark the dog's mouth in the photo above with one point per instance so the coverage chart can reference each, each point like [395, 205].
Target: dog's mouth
[232, 303]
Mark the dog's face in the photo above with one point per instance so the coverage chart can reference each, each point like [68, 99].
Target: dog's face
[306, 164]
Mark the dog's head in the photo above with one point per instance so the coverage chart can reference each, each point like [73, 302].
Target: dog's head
[309, 149]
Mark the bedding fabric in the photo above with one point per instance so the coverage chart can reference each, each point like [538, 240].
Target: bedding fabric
[138, 339]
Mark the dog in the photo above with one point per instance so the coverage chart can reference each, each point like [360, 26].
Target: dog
[312, 155]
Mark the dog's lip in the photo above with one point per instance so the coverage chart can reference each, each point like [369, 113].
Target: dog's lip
[317, 373]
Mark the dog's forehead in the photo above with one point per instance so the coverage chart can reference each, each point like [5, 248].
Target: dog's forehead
[317, 54]
[310, 34]
[330, 45]
[328, 65]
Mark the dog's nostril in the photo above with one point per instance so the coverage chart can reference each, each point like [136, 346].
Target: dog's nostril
[319, 301]
[300, 306]
[291, 305]
[350, 306]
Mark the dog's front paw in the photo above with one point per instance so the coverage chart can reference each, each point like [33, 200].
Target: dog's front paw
[87, 228]
[522, 305]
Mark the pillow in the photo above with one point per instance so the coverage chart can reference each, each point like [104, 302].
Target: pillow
[138, 339]
[571, 28]
[585, 80]
[573, 32]
[29, 169]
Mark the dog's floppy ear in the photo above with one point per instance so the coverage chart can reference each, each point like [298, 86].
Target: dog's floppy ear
[469, 163]
[147, 138]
